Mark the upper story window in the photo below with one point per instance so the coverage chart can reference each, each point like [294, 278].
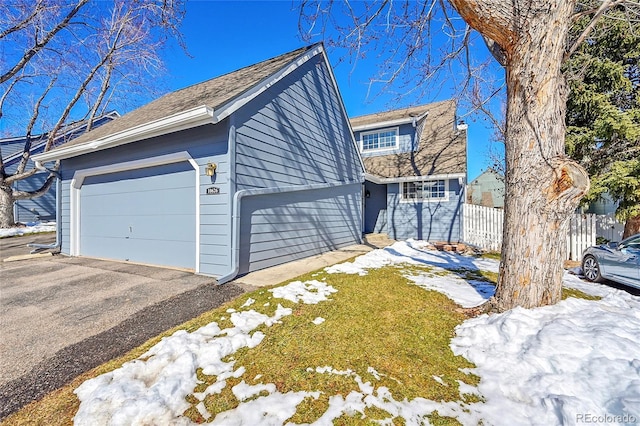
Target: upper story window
[379, 140]
[428, 190]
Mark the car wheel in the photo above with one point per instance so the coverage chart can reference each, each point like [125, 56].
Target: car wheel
[591, 269]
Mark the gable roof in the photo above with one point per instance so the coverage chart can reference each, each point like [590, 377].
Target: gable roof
[387, 118]
[207, 102]
[488, 175]
[442, 146]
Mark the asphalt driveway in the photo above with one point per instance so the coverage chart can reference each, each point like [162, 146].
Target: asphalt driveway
[61, 316]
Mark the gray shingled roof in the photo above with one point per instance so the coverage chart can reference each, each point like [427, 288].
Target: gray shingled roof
[442, 148]
[212, 93]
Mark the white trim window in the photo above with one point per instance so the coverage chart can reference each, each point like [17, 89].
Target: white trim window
[379, 140]
[425, 191]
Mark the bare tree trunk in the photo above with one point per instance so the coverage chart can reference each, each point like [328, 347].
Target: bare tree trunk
[631, 227]
[543, 186]
[7, 219]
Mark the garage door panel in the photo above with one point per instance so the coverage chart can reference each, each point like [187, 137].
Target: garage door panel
[181, 254]
[159, 227]
[145, 215]
[177, 201]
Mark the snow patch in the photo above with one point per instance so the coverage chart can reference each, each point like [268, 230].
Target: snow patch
[308, 292]
[30, 228]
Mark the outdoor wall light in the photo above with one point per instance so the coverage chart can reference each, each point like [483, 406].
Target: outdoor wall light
[210, 170]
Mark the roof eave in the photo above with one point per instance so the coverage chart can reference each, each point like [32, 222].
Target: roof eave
[185, 120]
[181, 121]
[382, 180]
[237, 102]
[389, 123]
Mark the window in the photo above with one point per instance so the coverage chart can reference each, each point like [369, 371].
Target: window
[430, 190]
[379, 140]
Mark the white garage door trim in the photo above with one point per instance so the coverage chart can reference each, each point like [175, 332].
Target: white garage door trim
[80, 175]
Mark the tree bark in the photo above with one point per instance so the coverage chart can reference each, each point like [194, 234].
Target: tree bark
[543, 186]
[8, 196]
[7, 219]
[631, 227]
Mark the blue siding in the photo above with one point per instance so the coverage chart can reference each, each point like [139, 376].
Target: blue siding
[295, 133]
[298, 224]
[407, 141]
[430, 221]
[375, 208]
[205, 144]
[9, 149]
[40, 208]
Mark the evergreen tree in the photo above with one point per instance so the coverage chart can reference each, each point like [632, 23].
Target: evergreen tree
[603, 114]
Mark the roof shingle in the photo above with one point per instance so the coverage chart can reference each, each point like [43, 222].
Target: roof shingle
[442, 147]
[212, 93]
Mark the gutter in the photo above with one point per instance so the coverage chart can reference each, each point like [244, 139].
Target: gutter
[235, 220]
[194, 117]
[381, 181]
[39, 247]
[185, 120]
[413, 120]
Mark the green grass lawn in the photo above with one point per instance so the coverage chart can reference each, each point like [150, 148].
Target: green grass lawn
[380, 321]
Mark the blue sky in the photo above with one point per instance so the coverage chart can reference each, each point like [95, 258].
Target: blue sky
[223, 36]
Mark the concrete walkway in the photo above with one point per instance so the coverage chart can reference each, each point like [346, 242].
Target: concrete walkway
[291, 270]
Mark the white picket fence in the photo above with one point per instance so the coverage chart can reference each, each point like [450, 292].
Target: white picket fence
[483, 228]
[607, 226]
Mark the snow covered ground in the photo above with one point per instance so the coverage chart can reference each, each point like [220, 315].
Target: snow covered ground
[573, 363]
[30, 228]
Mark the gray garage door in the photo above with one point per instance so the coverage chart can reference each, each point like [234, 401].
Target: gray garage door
[146, 215]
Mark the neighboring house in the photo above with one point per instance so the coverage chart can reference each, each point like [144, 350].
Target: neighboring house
[250, 169]
[43, 207]
[487, 189]
[415, 161]
[605, 205]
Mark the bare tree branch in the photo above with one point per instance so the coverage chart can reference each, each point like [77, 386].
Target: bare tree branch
[34, 117]
[42, 43]
[25, 195]
[100, 53]
[606, 5]
[37, 8]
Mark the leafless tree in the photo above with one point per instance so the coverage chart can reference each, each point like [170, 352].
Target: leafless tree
[72, 61]
[530, 39]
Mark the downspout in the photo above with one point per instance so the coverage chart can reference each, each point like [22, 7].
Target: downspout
[232, 191]
[56, 245]
[237, 204]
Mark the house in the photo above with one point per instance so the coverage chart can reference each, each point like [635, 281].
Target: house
[415, 161]
[250, 169]
[487, 189]
[43, 207]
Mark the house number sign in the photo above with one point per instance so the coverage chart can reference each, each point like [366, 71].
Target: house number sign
[213, 190]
